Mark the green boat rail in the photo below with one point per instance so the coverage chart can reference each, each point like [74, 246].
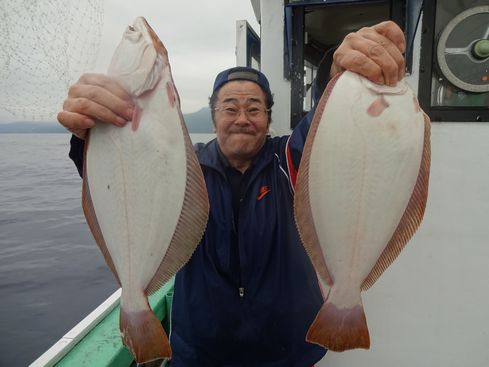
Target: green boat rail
[96, 340]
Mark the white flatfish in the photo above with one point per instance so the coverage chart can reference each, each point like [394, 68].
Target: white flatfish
[361, 193]
[144, 194]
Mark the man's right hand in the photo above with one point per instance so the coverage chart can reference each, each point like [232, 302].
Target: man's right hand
[375, 52]
[95, 97]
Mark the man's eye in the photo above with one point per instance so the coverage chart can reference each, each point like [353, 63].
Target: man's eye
[253, 111]
[231, 111]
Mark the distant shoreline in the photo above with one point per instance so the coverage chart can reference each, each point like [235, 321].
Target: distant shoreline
[197, 123]
[32, 132]
[27, 127]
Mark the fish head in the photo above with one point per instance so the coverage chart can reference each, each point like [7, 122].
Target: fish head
[143, 26]
[140, 59]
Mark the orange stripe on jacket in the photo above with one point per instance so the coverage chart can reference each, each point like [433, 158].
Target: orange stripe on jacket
[290, 166]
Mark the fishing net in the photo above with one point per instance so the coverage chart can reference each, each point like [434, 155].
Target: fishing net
[44, 47]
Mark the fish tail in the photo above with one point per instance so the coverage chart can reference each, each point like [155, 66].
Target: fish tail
[143, 334]
[340, 328]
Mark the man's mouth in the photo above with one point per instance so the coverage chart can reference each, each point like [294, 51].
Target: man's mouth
[242, 131]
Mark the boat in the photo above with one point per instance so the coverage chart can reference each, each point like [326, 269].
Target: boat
[96, 340]
[429, 308]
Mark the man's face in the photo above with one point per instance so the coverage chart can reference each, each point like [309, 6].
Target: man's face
[241, 120]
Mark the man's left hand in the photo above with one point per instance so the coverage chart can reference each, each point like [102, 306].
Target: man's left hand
[375, 52]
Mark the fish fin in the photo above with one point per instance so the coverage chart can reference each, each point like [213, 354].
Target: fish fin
[302, 206]
[91, 217]
[411, 218]
[143, 334]
[194, 215]
[340, 328]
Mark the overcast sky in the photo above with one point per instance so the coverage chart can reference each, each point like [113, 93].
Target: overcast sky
[200, 38]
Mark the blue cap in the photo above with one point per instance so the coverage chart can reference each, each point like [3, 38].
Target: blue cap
[244, 73]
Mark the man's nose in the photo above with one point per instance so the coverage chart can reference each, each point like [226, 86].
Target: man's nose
[242, 118]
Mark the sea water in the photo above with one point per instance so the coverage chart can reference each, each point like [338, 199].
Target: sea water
[52, 273]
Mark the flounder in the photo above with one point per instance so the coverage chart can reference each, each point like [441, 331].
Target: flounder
[361, 193]
[144, 194]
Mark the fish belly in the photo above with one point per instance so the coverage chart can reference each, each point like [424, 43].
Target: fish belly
[362, 173]
[137, 183]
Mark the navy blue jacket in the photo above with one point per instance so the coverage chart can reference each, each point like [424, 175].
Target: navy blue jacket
[249, 293]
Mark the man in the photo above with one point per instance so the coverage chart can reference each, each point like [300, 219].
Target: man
[249, 292]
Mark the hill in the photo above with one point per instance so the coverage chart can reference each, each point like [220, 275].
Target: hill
[27, 127]
[197, 123]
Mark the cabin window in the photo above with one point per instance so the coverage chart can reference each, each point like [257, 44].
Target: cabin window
[314, 27]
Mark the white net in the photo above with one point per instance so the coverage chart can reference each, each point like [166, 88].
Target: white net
[44, 47]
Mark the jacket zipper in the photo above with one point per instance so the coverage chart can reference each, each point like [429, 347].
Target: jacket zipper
[241, 288]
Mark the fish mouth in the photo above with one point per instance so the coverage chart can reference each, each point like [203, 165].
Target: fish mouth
[143, 26]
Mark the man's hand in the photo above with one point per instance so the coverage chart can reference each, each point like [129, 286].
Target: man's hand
[95, 97]
[375, 52]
